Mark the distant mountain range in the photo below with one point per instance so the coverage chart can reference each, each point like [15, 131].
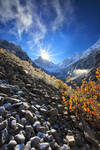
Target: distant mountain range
[77, 65]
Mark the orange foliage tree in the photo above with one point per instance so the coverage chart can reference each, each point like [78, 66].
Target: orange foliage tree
[85, 100]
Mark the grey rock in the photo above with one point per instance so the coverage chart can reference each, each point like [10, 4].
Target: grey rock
[41, 135]
[60, 108]
[16, 105]
[33, 149]
[73, 118]
[53, 132]
[65, 147]
[38, 106]
[3, 124]
[1, 119]
[35, 141]
[33, 108]
[13, 124]
[12, 144]
[53, 113]
[44, 146]
[52, 144]
[20, 138]
[49, 138]
[29, 131]
[46, 124]
[2, 110]
[4, 135]
[11, 100]
[56, 146]
[17, 118]
[19, 147]
[24, 106]
[29, 128]
[28, 146]
[70, 139]
[3, 95]
[43, 111]
[41, 129]
[23, 121]
[36, 124]
[20, 93]
[29, 116]
[7, 106]
[20, 126]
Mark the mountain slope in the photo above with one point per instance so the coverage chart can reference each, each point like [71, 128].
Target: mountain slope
[16, 49]
[32, 115]
[12, 47]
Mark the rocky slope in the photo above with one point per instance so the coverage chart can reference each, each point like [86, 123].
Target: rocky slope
[32, 116]
[16, 49]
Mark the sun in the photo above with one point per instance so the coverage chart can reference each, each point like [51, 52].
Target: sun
[45, 55]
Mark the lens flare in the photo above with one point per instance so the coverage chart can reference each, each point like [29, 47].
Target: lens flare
[44, 54]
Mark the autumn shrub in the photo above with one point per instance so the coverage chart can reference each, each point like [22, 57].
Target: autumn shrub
[84, 101]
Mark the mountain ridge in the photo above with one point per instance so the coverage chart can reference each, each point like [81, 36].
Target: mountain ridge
[67, 67]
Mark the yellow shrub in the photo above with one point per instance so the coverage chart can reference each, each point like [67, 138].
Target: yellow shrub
[84, 99]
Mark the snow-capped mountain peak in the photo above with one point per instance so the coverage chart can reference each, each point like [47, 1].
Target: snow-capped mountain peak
[46, 64]
[69, 60]
[91, 49]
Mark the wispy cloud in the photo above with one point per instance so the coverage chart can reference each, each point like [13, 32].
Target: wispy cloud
[63, 14]
[26, 18]
[19, 15]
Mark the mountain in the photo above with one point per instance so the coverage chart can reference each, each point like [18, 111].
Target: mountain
[32, 115]
[85, 63]
[92, 49]
[75, 66]
[12, 47]
[78, 57]
[68, 61]
[15, 49]
[47, 65]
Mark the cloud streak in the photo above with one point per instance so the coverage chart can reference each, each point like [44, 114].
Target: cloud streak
[15, 12]
[27, 17]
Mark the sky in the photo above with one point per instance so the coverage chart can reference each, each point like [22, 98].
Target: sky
[61, 27]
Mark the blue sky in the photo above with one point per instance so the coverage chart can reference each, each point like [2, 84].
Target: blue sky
[63, 27]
